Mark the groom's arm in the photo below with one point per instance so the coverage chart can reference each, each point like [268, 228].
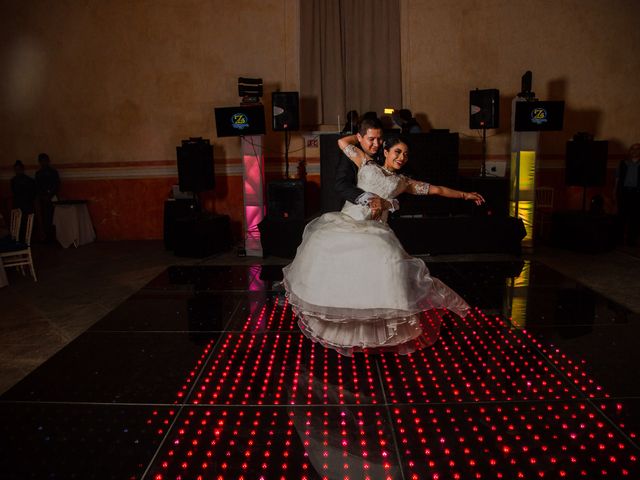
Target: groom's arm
[345, 185]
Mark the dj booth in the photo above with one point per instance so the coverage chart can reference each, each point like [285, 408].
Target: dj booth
[459, 234]
[425, 225]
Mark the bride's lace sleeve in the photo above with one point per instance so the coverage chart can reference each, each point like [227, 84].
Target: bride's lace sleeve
[416, 187]
[356, 155]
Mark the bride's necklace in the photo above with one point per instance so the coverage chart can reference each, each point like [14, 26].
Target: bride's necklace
[385, 169]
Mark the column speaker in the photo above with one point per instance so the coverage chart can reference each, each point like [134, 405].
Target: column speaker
[285, 111]
[484, 108]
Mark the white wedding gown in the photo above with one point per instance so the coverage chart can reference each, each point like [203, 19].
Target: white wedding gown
[352, 285]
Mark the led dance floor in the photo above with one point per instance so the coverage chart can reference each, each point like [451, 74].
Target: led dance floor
[203, 374]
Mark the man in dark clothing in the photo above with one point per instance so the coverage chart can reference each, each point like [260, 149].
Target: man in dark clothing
[627, 190]
[351, 124]
[370, 138]
[23, 189]
[406, 121]
[48, 183]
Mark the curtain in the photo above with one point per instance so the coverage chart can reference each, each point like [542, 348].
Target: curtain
[349, 58]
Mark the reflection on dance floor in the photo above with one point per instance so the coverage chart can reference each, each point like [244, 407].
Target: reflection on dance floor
[204, 374]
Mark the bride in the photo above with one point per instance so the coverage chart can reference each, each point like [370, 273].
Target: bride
[351, 284]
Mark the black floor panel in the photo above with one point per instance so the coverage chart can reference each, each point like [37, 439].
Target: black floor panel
[606, 355]
[127, 367]
[65, 441]
[171, 311]
[218, 278]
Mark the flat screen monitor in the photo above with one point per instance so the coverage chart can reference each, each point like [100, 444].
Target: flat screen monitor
[539, 116]
[238, 121]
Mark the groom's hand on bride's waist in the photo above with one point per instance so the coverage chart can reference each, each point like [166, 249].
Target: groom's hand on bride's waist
[379, 205]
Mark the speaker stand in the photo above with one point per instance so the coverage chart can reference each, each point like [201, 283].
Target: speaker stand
[287, 140]
[483, 168]
[196, 202]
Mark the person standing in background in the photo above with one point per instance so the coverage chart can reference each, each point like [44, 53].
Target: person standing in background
[627, 192]
[351, 123]
[48, 184]
[23, 189]
[406, 121]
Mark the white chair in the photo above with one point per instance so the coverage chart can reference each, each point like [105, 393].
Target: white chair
[16, 220]
[19, 255]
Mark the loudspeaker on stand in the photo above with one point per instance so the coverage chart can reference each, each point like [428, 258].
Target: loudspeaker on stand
[195, 165]
[285, 111]
[484, 108]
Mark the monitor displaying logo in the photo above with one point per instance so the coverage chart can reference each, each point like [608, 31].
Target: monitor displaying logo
[239, 121]
[539, 115]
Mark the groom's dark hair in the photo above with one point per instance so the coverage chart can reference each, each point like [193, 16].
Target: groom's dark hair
[368, 123]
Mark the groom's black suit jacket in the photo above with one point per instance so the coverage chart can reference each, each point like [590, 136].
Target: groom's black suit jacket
[347, 179]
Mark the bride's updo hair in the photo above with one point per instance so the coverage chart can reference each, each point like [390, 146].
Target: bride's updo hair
[390, 142]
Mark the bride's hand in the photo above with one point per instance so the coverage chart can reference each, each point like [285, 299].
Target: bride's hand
[473, 196]
[377, 206]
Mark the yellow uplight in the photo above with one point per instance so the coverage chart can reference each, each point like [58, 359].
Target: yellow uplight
[523, 162]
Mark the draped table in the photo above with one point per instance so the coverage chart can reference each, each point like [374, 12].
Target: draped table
[73, 223]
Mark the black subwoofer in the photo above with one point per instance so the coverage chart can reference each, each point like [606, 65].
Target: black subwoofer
[285, 200]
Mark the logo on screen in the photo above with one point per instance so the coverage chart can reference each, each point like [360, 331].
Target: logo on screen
[539, 115]
[239, 121]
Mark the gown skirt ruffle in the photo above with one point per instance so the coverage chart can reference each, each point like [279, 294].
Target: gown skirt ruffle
[354, 288]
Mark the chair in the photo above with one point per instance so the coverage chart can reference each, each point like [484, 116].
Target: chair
[543, 210]
[16, 220]
[19, 254]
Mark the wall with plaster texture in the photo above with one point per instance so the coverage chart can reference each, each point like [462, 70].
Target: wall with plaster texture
[582, 51]
[113, 81]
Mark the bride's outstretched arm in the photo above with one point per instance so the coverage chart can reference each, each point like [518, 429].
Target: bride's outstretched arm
[353, 153]
[421, 188]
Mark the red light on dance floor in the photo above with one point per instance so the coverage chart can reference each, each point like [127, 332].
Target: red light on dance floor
[284, 368]
[280, 443]
[483, 402]
[269, 314]
[528, 440]
[479, 358]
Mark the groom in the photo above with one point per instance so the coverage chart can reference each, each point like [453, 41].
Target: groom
[370, 138]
